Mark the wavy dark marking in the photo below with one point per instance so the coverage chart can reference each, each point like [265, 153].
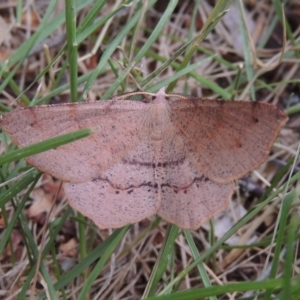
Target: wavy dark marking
[130, 187]
[154, 165]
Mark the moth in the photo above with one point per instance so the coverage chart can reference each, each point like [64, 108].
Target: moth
[177, 159]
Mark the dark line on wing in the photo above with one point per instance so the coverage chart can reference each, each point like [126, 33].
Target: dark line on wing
[184, 188]
[130, 187]
[149, 184]
[154, 165]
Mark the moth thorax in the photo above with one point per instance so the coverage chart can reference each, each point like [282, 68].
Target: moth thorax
[159, 121]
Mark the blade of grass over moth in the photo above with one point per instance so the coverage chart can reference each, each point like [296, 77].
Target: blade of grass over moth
[44, 145]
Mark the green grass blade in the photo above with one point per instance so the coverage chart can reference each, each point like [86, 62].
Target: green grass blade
[155, 34]
[72, 46]
[195, 294]
[228, 234]
[18, 187]
[44, 145]
[218, 11]
[101, 263]
[162, 261]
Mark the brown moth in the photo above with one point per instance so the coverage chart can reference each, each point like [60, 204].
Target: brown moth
[177, 159]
